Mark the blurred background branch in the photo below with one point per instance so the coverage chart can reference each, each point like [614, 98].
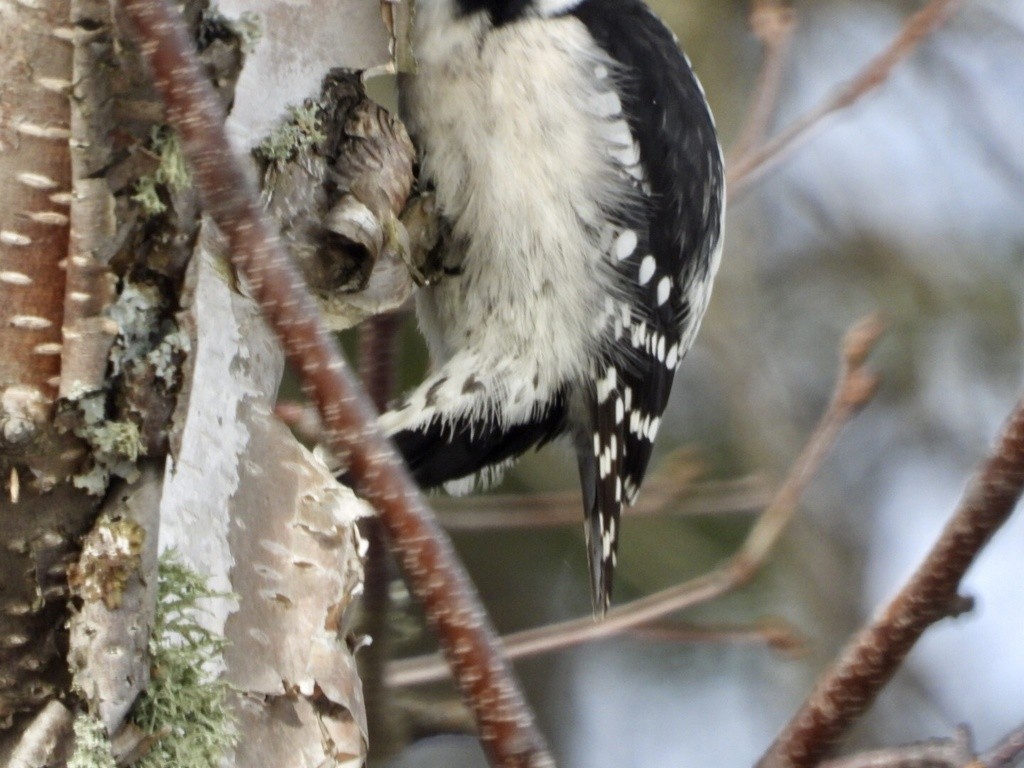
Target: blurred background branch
[774, 26]
[671, 490]
[868, 663]
[773, 23]
[854, 388]
[955, 752]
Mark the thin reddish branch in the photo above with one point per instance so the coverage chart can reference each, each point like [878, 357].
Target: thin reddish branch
[752, 165]
[438, 580]
[856, 386]
[847, 689]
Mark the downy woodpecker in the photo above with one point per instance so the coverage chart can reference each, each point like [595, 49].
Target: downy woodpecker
[579, 180]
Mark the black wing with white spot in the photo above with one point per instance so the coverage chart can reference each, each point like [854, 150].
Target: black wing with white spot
[437, 452]
[665, 256]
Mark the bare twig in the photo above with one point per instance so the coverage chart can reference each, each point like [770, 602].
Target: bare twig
[955, 752]
[670, 497]
[777, 634]
[1007, 753]
[847, 689]
[505, 722]
[773, 23]
[752, 165]
[856, 386]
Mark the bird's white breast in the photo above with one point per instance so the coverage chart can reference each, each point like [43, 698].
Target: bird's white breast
[518, 127]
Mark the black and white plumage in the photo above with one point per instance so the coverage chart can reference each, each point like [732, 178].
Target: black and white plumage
[577, 168]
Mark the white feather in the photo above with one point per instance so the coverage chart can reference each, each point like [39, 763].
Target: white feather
[527, 194]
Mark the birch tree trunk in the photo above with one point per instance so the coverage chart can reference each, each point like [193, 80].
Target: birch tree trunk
[137, 384]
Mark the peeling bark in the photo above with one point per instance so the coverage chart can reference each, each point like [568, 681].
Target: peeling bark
[109, 640]
[88, 333]
[46, 741]
[278, 532]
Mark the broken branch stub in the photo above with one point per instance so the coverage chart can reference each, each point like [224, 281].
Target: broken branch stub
[336, 176]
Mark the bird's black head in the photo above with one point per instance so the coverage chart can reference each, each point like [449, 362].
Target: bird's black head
[500, 11]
